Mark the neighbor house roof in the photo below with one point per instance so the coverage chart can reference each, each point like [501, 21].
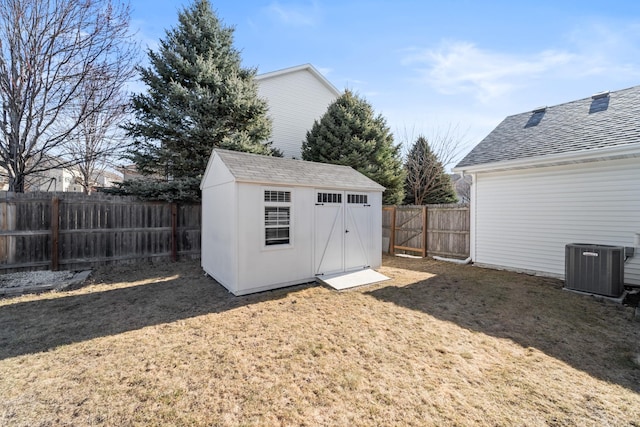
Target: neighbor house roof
[586, 126]
[308, 67]
[255, 168]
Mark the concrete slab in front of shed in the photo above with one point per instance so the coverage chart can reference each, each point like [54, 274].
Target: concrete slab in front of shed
[352, 279]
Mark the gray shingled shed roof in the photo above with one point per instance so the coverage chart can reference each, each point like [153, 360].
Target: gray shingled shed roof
[276, 170]
[585, 124]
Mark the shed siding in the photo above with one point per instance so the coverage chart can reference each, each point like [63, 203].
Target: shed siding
[263, 267]
[295, 100]
[216, 174]
[524, 218]
[219, 246]
[219, 256]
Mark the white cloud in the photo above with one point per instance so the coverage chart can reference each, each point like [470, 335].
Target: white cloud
[589, 52]
[475, 87]
[607, 50]
[461, 67]
[296, 15]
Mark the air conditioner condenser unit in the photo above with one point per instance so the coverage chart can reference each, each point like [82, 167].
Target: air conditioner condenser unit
[597, 269]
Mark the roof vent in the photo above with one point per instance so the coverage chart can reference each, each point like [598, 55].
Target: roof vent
[600, 95]
[599, 102]
[536, 117]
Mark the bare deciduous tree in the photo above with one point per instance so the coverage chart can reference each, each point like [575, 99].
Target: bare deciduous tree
[447, 143]
[48, 50]
[98, 140]
[462, 185]
[425, 163]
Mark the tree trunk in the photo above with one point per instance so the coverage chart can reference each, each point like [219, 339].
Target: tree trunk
[16, 184]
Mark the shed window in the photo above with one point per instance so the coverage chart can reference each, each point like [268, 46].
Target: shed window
[329, 197]
[276, 221]
[277, 217]
[360, 199]
[277, 196]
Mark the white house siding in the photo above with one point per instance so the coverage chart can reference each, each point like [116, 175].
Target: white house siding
[57, 179]
[524, 218]
[295, 100]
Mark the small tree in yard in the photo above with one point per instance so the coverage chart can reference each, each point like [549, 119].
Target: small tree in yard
[426, 180]
[350, 134]
[198, 97]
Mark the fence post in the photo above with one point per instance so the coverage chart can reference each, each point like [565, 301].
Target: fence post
[424, 231]
[392, 235]
[55, 232]
[174, 232]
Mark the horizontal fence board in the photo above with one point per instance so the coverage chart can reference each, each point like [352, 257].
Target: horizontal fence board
[408, 248]
[111, 259]
[445, 254]
[16, 233]
[31, 265]
[194, 252]
[431, 230]
[112, 230]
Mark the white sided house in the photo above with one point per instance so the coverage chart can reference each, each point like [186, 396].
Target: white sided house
[556, 176]
[270, 222]
[296, 96]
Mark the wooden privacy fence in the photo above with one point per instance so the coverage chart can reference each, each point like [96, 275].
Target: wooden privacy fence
[441, 230]
[73, 231]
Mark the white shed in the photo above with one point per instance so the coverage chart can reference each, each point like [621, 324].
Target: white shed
[297, 96]
[271, 222]
[558, 175]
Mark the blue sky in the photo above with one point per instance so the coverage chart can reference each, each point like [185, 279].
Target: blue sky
[430, 65]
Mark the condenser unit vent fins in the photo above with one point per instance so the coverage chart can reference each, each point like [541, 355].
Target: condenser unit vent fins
[596, 269]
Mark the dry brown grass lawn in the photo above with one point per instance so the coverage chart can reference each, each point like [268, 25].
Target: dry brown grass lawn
[439, 344]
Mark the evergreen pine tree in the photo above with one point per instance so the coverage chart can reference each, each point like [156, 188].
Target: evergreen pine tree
[426, 180]
[198, 97]
[350, 134]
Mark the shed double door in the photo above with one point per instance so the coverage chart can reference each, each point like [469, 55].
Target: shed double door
[342, 231]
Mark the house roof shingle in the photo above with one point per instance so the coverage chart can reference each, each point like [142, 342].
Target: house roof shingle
[256, 168]
[586, 124]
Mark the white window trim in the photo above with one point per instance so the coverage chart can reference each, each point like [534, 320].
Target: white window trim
[263, 226]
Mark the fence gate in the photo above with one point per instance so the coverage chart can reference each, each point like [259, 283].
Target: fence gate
[427, 230]
[408, 229]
